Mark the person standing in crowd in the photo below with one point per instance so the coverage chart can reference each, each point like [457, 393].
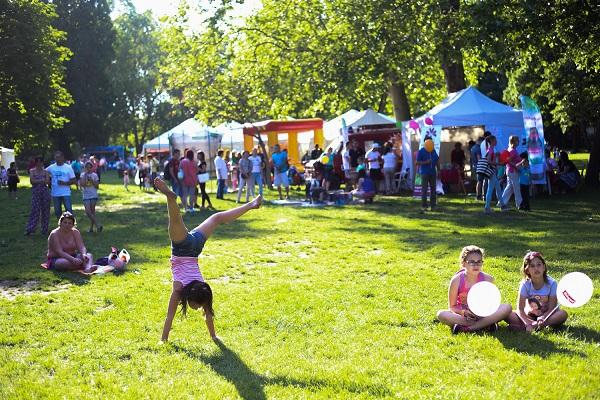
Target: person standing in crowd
[95, 166]
[493, 183]
[62, 177]
[525, 181]
[347, 167]
[245, 167]
[316, 153]
[152, 168]
[305, 157]
[279, 159]
[475, 157]
[355, 153]
[3, 176]
[389, 169]
[221, 168]
[171, 170]
[257, 167]
[141, 172]
[429, 165]
[512, 173]
[190, 179]
[457, 158]
[204, 174]
[123, 169]
[373, 158]
[40, 198]
[13, 180]
[76, 165]
[89, 183]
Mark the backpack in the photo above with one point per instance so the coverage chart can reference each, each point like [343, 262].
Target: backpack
[167, 172]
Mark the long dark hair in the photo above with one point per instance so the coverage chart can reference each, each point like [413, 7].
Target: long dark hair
[197, 292]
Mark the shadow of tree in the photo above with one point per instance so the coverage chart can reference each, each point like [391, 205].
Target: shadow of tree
[250, 385]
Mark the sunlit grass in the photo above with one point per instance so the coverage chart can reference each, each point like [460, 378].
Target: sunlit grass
[310, 303]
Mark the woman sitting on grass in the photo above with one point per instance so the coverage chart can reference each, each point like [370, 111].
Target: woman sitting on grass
[66, 251]
[537, 297]
[459, 317]
[189, 288]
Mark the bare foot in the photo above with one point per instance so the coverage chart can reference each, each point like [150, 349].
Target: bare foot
[162, 187]
[257, 202]
[90, 269]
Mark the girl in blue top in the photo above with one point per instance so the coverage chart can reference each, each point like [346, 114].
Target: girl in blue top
[537, 297]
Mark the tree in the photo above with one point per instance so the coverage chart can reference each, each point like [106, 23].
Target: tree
[32, 88]
[141, 105]
[549, 51]
[90, 37]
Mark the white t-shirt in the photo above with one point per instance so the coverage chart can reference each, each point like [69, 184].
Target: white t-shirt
[389, 160]
[346, 160]
[221, 167]
[256, 163]
[373, 157]
[62, 173]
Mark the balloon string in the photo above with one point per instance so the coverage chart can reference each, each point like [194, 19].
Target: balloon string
[550, 313]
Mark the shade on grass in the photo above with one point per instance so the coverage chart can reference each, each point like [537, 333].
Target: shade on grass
[310, 303]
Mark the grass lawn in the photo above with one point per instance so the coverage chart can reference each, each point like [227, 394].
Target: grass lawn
[311, 303]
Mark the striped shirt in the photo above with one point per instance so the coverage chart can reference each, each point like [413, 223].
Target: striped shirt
[185, 270]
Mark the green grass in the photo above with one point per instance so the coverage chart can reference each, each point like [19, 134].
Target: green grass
[310, 303]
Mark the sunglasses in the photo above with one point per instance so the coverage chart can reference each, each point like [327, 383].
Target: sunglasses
[475, 262]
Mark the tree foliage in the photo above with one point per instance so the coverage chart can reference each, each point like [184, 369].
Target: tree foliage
[32, 89]
[90, 38]
[141, 106]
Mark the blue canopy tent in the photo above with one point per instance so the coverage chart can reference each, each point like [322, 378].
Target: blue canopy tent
[470, 107]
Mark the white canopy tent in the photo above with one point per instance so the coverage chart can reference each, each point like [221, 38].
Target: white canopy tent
[189, 135]
[232, 135]
[333, 129]
[6, 156]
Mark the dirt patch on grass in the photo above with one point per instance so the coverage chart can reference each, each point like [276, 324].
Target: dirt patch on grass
[11, 289]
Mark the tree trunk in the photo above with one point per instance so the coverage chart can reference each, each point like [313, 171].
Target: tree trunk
[451, 57]
[593, 167]
[136, 137]
[382, 103]
[399, 100]
[454, 72]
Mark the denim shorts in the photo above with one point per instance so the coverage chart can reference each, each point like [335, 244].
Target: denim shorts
[191, 246]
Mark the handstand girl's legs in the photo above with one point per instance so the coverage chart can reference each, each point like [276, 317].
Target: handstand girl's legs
[177, 230]
[210, 224]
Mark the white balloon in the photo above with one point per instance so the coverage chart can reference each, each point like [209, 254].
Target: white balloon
[483, 298]
[574, 289]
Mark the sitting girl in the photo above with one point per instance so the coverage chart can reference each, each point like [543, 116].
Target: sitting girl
[366, 187]
[537, 297]
[458, 316]
[189, 288]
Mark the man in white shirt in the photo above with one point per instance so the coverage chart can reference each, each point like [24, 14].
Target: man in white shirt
[373, 158]
[63, 177]
[346, 165]
[221, 168]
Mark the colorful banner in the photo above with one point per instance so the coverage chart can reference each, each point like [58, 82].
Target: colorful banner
[435, 133]
[534, 139]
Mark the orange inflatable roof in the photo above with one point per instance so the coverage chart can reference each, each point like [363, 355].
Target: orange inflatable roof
[292, 125]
